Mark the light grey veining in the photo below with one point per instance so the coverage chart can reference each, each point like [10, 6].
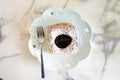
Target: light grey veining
[66, 76]
[1, 24]
[29, 9]
[65, 5]
[10, 56]
[111, 35]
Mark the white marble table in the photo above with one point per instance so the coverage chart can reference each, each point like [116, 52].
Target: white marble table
[103, 62]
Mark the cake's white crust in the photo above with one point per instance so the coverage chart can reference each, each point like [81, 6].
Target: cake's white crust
[62, 61]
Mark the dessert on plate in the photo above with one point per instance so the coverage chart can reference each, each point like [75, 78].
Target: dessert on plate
[61, 38]
[67, 39]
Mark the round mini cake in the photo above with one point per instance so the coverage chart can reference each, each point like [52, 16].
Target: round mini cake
[67, 39]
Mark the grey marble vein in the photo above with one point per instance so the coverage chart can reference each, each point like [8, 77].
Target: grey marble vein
[108, 43]
[66, 75]
[10, 56]
[69, 78]
[109, 6]
[32, 4]
[1, 24]
[41, 9]
[66, 3]
[2, 38]
[109, 47]
[112, 29]
[111, 13]
[111, 34]
[0, 33]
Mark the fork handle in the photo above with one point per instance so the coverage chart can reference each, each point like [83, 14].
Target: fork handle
[42, 65]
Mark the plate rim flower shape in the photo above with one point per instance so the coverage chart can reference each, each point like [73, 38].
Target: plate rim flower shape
[63, 61]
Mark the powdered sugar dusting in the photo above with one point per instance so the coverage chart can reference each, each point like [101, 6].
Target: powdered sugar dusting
[72, 48]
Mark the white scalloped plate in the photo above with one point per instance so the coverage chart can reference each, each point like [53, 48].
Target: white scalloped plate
[63, 61]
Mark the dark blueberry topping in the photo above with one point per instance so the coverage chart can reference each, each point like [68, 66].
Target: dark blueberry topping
[62, 41]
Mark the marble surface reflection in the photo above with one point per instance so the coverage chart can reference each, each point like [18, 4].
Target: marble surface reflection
[16, 62]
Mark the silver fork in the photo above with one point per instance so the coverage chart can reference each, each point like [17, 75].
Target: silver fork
[41, 39]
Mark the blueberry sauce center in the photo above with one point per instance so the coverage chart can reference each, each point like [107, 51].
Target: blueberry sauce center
[62, 41]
